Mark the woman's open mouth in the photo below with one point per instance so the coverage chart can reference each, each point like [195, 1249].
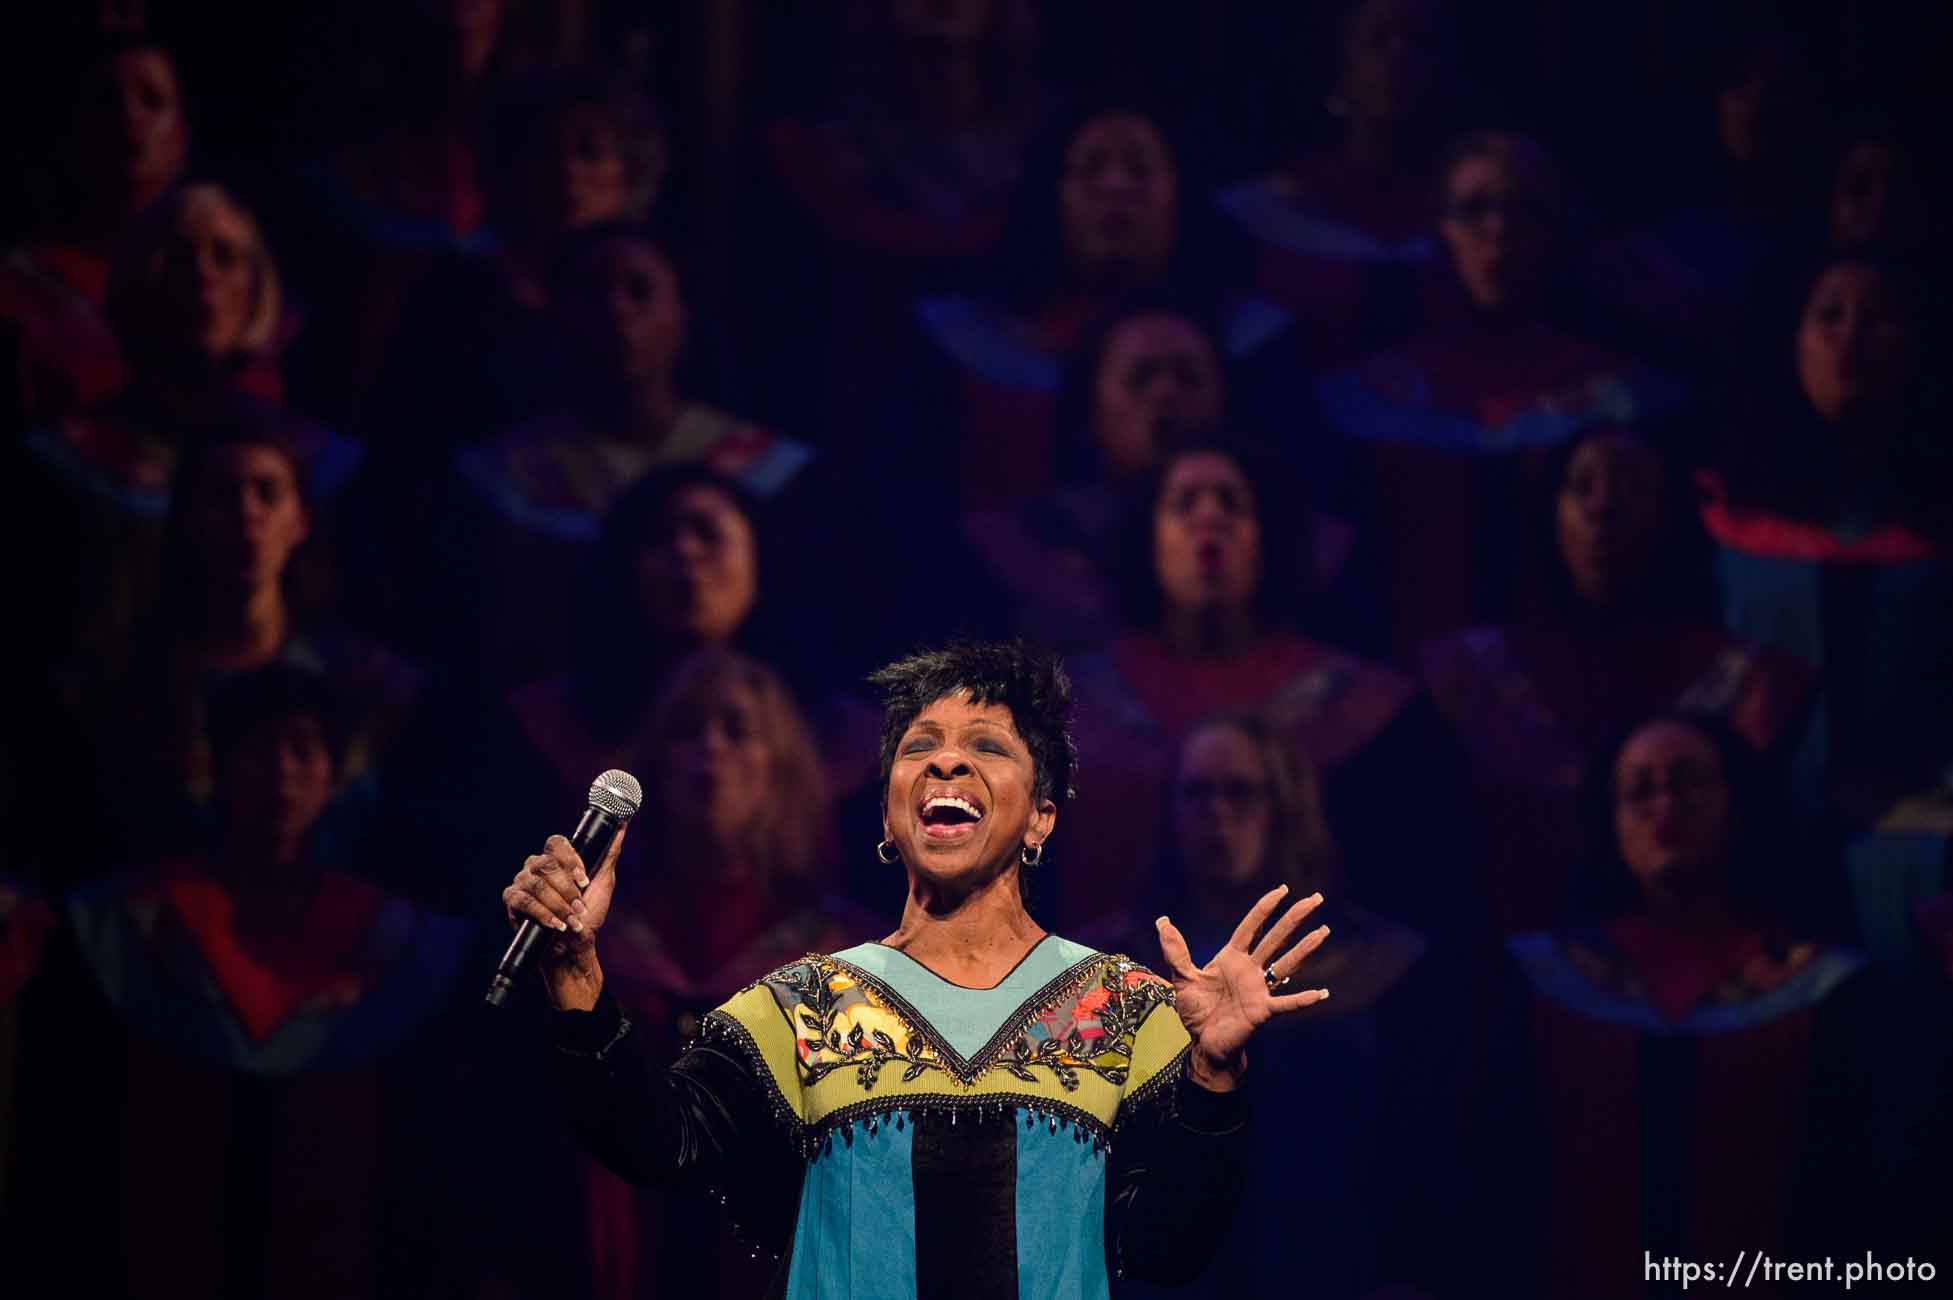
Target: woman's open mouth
[947, 817]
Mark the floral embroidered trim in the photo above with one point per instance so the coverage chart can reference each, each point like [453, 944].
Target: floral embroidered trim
[1106, 1017]
[1103, 1018]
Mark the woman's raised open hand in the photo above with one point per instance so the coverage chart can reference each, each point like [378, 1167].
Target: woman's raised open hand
[1225, 1001]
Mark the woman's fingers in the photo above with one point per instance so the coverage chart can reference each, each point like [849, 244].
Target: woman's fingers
[1284, 966]
[560, 857]
[1244, 933]
[560, 905]
[1174, 946]
[525, 906]
[1296, 1001]
[1272, 942]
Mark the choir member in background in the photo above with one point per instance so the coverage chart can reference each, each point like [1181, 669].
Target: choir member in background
[1359, 199]
[1684, 1067]
[1461, 414]
[893, 183]
[738, 820]
[196, 301]
[245, 583]
[124, 146]
[1625, 626]
[1241, 816]
[1215, 618]
[1109, 208]
[530, 501]
[260, 1039]
[1826, 507]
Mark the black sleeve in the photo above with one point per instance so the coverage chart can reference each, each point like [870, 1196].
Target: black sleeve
[705, 1120]
[1174, 1183]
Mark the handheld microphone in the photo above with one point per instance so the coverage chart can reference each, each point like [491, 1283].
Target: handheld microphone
[614, 800]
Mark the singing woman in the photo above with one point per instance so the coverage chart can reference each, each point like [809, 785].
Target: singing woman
[969, 1106]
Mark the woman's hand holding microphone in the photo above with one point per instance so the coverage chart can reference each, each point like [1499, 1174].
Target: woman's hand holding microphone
[557, 892]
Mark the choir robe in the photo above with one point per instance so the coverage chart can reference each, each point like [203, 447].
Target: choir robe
[996, 374]
[528, 505]
[1895, 868]
[68, 357]
[1365, 729]
[1321, 232]
[1532, 703]
[1871, 605]
[25, 922]
[1358, 1171]
[234, 1119]
[843, 239]
[1055, 560]
[886, 1133]
[97, 485]
[1453, 431]
[154, 735]
[846, 726]
[1697, 1097]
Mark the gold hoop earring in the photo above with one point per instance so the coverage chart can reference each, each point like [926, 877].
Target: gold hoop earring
[888, 853]
[1031, 854]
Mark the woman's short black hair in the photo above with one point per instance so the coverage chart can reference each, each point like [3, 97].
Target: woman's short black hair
[1029, 681]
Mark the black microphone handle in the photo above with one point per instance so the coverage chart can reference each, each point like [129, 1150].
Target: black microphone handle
[591, 841]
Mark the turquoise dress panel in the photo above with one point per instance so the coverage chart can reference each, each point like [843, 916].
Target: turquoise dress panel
[855, 1238]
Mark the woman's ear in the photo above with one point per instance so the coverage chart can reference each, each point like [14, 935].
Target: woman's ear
[1044, 819]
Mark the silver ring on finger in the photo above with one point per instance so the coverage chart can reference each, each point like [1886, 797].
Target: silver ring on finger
[1275, 982]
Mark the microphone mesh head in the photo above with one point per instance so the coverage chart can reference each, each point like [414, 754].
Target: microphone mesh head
[617, 793]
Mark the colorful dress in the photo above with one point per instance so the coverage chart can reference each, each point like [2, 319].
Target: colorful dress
[889, 1134]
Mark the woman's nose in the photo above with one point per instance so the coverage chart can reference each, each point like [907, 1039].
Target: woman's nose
[948, 763]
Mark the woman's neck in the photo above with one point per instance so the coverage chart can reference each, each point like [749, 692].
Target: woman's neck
[272, 881]
[178, 385]
[245, 631]
[973, 938]
[1373, 145]
[1209, 630]
[642, 410]
[944, 90]
[1688, 910]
